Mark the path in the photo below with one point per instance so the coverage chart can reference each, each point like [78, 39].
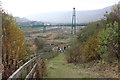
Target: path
[58, 68]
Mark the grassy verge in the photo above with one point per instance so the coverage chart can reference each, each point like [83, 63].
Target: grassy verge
[58, 68]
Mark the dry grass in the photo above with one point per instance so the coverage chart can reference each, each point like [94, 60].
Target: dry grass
[54, 36]
[41, 68]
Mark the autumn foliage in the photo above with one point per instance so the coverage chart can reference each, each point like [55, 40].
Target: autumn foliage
[98, 41]
[13, 49]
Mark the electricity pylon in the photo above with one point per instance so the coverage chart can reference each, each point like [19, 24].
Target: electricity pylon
[73, 31]
[44, 28]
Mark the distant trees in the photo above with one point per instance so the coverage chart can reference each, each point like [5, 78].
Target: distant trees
[40, 43]
[13, 49]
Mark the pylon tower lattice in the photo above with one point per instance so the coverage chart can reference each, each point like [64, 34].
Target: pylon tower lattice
[73, 31]
[44, 29]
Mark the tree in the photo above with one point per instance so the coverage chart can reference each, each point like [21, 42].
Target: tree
[39, 43]
[13, 49]
[114, 15]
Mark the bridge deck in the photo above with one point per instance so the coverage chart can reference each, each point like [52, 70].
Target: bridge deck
[69, 25]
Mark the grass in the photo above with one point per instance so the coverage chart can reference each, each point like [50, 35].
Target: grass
[58, 40]
[32, 29]
[59, 68]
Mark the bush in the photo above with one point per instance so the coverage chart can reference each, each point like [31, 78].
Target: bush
[99, 40]
[73, 54]
[40, 43]
[90, 49]
[89, 31]
[108, 39]
[41, 68]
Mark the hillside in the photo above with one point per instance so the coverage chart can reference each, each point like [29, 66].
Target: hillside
[65, 16]
[18, 19]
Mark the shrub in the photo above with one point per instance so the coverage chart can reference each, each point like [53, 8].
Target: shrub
[89, 31]
[98, 40]
[41, 68]
[90, 49]
[40, 43]
[108, 39]
[73, 54]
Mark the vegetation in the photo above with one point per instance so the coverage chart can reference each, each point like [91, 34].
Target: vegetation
[90, 49]
[99, 40]
[13, 49]
[58, 68]
[108, 43]
[40, 43]
[41, 68]
[89, 31]
[44, 50]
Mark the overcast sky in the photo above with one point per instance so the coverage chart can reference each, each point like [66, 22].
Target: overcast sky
[24, 8]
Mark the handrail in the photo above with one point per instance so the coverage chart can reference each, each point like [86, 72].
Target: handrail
[31, 72]
[18, 72]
